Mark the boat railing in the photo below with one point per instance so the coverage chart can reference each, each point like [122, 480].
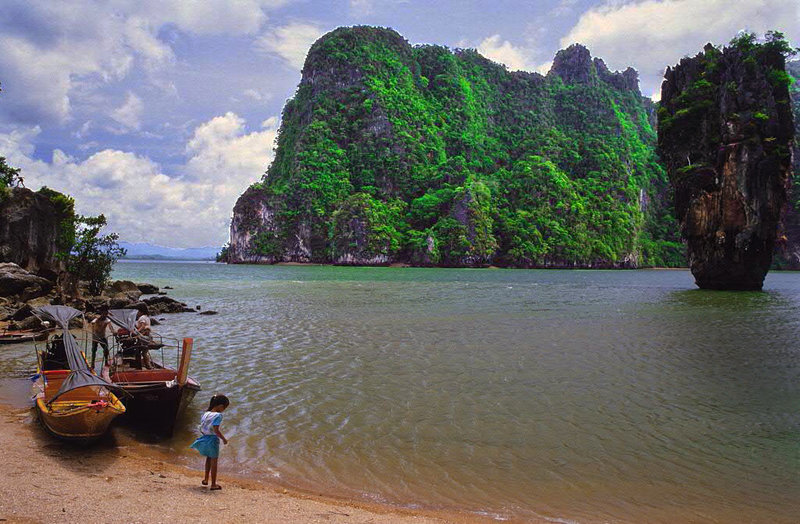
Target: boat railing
[166, 350]
[170, 351]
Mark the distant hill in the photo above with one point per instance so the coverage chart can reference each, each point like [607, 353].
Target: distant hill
[143, 251]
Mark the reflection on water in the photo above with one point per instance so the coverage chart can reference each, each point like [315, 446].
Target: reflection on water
[586, 395]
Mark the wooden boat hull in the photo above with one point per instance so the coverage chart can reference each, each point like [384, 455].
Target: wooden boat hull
[152, 403]
[75, 422]
[19, 337]
[82, 414]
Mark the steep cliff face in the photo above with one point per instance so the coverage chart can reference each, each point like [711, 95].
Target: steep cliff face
[788, 252]
[394, 153]
[30, 225]
[725, 133]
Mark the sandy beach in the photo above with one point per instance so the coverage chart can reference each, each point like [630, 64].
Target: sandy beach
[49, 481]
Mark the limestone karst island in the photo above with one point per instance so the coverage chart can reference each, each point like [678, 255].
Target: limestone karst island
[372, 261]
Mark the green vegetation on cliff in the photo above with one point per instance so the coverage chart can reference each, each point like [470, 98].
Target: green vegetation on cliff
[9, 177]
[389, 152]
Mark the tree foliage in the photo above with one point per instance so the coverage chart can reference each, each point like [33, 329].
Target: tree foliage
[92, 256]
[9, 177]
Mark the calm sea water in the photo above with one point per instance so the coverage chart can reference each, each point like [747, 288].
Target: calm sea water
[564, 395]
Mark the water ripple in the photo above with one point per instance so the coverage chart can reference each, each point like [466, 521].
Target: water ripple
[564, 395]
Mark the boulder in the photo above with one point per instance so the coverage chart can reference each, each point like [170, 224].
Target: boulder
[39, 302]
[32, 292]
[147, 289]
[135, 305]
[161, 304]
[122, 301]
[21, 313]
[98, 303]
[208, 312]
[30, 322]
[14, 281]
[123, 286]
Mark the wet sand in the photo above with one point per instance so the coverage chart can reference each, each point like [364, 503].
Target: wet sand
[50, 481]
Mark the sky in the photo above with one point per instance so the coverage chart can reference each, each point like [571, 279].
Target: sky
[160, 113]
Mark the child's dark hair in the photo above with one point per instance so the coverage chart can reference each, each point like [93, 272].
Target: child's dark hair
[218, 400]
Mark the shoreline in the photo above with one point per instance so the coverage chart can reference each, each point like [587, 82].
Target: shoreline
[118, 480]
[488, 266]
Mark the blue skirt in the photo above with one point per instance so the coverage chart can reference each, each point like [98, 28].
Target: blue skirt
[207, 445]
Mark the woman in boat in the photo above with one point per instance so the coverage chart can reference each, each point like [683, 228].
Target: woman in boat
[144, 329]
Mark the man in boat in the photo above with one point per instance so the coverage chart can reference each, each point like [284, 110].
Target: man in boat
[99, 328]
[143, 327]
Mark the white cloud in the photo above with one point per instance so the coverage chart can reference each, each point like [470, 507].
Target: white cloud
[564, 7]
[129, 114]
[290, 42]
[63, 43]
[139, 34]
[502, 51]
[361, 7]
[257, 95]
[141, 201]
[205, 17]
[544, 67]
[653, 34]
[221, 148]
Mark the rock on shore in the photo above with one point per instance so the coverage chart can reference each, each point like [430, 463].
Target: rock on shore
[21, 291]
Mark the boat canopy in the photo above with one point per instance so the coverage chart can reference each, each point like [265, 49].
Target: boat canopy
[124, 318]
[80, 373]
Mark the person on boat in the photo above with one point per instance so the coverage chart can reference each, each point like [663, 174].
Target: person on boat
[99, 329]
[144, 329]
[208, 442]
[143, 321]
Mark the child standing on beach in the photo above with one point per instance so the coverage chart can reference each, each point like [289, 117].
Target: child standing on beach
[208, 442]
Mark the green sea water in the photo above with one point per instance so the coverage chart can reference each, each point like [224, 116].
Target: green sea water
[566, 395]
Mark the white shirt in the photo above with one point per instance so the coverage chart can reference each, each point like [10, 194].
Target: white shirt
[208, 421]
[143, 324]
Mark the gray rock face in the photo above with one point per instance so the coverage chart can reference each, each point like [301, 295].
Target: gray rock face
[788, 252]
[16, 281]
[29, 225]
[574, 65]
[626, 80]
[725, 132]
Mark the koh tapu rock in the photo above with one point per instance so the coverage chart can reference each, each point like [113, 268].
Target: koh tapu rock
[725, 134]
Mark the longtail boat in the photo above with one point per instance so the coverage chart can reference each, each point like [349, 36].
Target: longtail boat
[156, 395]
[14, 336]
[72, 401]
